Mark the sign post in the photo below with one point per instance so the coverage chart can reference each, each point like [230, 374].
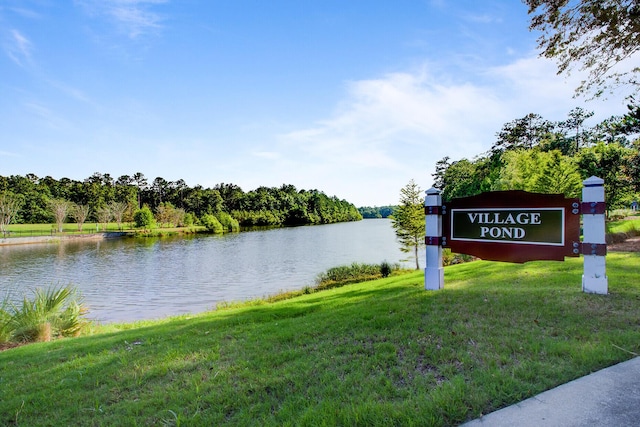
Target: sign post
[594, 248]
[434, 271]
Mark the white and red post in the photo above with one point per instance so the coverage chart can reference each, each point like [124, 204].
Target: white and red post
[434, 271]
[594, 246]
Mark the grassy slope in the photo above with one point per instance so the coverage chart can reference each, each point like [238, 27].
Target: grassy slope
[378, 353]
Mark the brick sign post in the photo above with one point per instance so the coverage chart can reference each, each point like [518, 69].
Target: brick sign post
[517, 226]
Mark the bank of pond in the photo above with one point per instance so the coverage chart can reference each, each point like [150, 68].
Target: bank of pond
[58, 312]
[126, 279]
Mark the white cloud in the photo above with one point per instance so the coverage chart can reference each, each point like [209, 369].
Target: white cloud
[26, 13]
[483, 19]
[18, 47]
[400, 113]
[46, 116]
[270, 155]
[532, 86]
[132, 17]
[394, 128]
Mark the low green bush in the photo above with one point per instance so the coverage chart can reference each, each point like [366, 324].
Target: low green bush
[386, 269]
[212, 223]
[452, 258]
[188, 220]
[143, 218]
[356, 272]
[228, 222]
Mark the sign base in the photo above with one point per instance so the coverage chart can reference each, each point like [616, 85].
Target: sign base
[595, 285]
[433, 278]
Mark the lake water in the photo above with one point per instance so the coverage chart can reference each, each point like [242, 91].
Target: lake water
[130, 279]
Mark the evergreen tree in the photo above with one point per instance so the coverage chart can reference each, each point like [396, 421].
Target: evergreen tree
[408, 220]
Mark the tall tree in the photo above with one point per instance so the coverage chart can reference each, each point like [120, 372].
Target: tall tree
[118, 210]
[630, 122]
[595, 35]
[103, 216]
[633, 166]
[575, 125]
[408, 220]
[60, 209]
[9, 207]
[540, 172]
[138, 179]
[525, 132]
[461, 179]
[441, 169]
[80, 214]
[609, 162]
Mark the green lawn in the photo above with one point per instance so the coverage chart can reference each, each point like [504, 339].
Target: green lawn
[24, 230]
[384, 352]
[623, 226]
[40, 229]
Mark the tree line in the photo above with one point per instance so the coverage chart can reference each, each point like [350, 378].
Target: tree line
[100, 198]
[538, 155]
[376, 211]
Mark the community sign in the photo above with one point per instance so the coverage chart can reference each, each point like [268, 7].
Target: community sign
[513, 226]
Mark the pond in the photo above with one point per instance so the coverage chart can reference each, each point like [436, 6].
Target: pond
[130, 279]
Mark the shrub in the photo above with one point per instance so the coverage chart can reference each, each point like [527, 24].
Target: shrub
[618, 214]
[54, 313]
[5, 332]
[212, 223]
[385, 269]
[188, 220]
[451, 258]
[143, 218]
[356, 272]
[228, 222]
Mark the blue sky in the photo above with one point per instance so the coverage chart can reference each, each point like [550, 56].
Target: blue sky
[350, 97]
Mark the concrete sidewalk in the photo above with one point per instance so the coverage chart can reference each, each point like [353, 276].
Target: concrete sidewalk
[610, 397]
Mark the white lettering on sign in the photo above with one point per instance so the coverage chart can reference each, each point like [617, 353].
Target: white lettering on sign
[498, 218]
[502, 232]
[520, 225]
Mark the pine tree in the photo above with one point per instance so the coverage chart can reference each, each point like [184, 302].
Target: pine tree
[408, 220]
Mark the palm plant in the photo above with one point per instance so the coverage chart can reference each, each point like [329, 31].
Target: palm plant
[5, 333]
[51, 313]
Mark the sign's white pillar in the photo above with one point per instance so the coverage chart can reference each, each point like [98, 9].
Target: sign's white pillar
[594, 279]
[434, 272]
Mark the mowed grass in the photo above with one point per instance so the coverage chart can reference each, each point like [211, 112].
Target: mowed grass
[26, 230]
[40, 229]
[623, 226]
[379, 353]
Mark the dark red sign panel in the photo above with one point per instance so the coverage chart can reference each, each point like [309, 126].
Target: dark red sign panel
[513, 226]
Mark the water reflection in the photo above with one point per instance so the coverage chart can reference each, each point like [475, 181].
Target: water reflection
[128, 279]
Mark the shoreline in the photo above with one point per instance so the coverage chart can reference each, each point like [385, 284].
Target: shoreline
[12, 241]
